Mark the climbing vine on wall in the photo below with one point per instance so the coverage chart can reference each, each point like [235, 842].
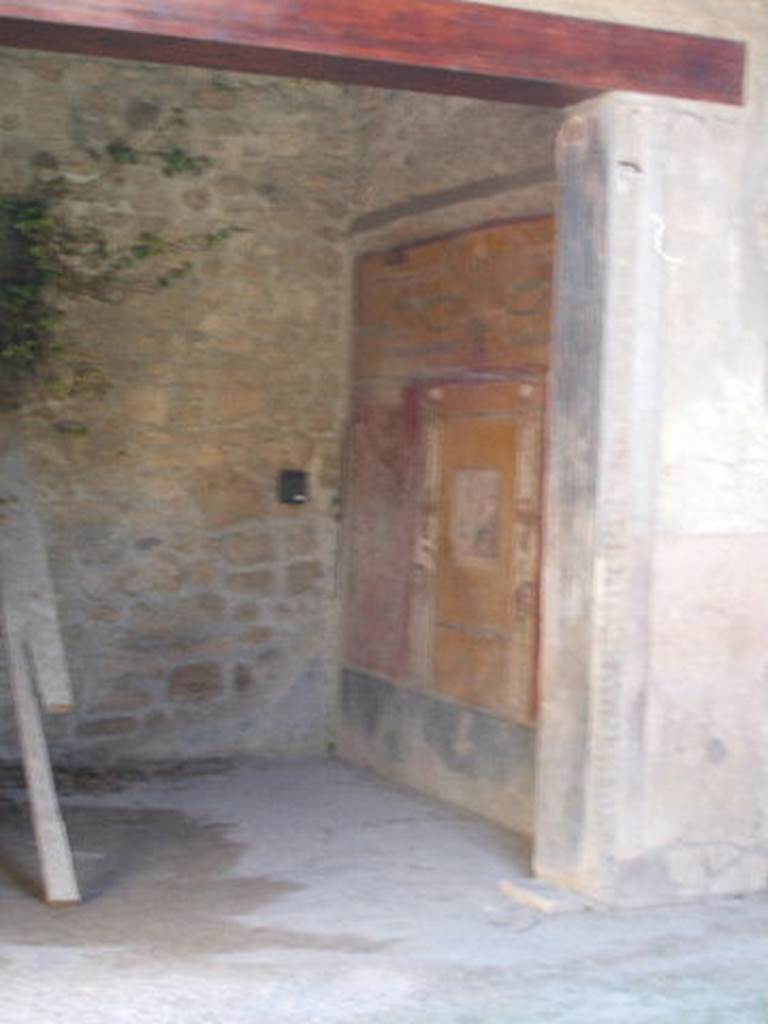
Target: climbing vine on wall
[28, 314]
[50, 257]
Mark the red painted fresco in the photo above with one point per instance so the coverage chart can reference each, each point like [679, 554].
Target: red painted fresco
[383, 472]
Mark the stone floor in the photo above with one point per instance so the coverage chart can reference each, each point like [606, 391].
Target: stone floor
[310, 893]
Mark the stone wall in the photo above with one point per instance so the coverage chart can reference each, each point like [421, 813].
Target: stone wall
[200, 615]
[198, 612]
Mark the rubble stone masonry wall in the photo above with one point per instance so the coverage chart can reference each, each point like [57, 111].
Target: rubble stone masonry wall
[197, 611]
[200, 615]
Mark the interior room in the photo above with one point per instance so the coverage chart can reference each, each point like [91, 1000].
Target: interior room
[358, 510]
[201, 610]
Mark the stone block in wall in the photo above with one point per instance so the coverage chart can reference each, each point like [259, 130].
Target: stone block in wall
[148, 405]
[157, 576]
[161, 626]
[233, 402]
[214, 94]
[141, 114]
[247, 611]
[257, 635]
[103, 612]
[261, 581]
[302, 577]
[260, 673]
[197, 199]
[121, 697]
[82, 73]
[102, 727]
[225, 497]
[11, 121]
[198, 682]
[247, 548]
[199, 574]
[298, 539]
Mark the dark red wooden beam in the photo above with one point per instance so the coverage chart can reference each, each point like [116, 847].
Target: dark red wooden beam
[440, 46]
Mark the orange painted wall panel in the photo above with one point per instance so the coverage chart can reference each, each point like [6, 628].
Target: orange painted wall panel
[475, 301]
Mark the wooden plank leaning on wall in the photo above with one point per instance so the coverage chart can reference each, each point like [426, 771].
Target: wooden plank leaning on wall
[37, 668]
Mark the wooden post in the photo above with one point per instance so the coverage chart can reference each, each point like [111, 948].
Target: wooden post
[59, 882]
[27, 583]
[35, 656]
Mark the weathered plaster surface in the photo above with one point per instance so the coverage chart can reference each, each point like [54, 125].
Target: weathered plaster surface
[707, 776]
[464, 756]
[416, 148]
[673, 722]
[707, 711]
[714, 458]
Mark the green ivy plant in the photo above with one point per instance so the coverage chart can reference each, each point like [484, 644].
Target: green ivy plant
[173, 161]
[28, 269]
[47, 256]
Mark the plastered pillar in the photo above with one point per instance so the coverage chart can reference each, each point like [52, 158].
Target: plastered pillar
[649, 353]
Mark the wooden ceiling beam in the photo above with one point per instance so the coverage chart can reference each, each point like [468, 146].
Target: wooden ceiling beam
[439, 46]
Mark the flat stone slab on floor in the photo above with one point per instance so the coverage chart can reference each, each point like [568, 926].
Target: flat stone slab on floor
[541, 896]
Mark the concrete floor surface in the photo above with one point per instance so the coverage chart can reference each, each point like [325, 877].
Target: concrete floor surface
[310, 893]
